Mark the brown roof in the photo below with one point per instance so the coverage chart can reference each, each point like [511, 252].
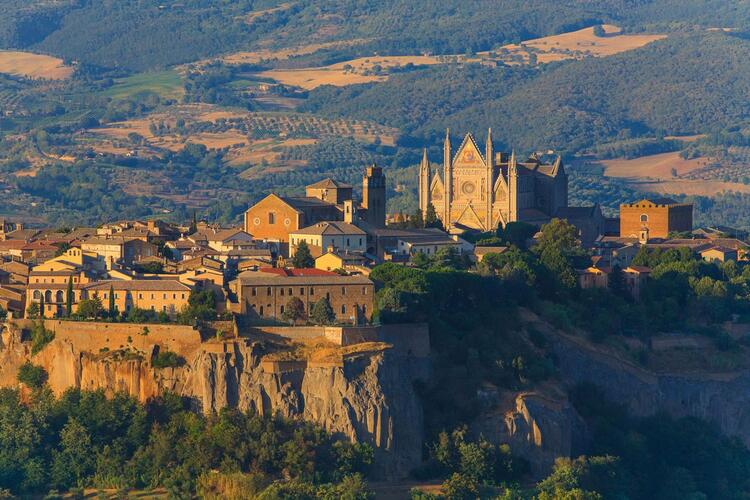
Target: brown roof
[140, 285]
[309, 277]
[328, 184]
[330, 228]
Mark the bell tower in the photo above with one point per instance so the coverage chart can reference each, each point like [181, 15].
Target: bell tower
[424, 183]
[373, 196]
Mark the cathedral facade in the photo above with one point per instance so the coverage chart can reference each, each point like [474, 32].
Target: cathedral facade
[485, 190]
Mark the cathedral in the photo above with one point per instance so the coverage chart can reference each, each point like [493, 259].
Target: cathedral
[483, 191]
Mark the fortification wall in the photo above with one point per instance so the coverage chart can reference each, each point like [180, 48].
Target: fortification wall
[93, 337]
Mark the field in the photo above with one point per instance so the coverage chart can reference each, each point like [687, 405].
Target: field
[31, 65]
[654, 174]
[572, 45]
[285, 53]
[583, 43]
[259, 143]
[168, 84]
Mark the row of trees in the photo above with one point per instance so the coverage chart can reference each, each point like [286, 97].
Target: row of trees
[86, 440]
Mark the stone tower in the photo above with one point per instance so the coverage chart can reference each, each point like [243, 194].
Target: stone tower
[489, 181]
[424, 183]
[373, 196]
[512, 188]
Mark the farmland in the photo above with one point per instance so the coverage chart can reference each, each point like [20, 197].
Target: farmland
[36, 66]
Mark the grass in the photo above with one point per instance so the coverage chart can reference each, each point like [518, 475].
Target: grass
[167, 83]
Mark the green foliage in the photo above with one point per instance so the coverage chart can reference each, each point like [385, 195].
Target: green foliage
[167, 359]
[90, 308]
[303, 259]
[32, 312]
[322, 313]
[201, 306]
[40, 337]
[85, 440]
[294, 311]
[32, 375]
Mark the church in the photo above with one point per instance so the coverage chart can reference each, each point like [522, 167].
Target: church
[486, 191]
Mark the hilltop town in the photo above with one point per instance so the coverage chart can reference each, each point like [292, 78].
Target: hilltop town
[323, 307]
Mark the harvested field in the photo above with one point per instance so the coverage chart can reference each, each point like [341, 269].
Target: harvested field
[653, 167]
[31, 65]
[691, 187]
[254, 16]
[585, 43]
[256, 56]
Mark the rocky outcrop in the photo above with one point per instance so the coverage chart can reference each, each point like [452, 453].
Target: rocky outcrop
[367, 397]
[538, 427]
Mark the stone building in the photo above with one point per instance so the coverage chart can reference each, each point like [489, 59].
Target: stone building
[263, 294]
[329, 235]
[274, 217]
[483, 191]
[655, 218]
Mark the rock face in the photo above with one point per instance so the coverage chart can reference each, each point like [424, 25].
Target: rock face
[723, 399]
[537, 427]
[369, 397]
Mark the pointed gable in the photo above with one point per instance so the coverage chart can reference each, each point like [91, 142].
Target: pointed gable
[436, 188]
[468, 154]
[469, 218]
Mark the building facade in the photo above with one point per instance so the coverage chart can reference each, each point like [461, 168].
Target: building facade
[483, 191]
[265, 293]
[655, 218]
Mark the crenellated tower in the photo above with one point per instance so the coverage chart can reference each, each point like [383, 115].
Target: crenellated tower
[373, 196]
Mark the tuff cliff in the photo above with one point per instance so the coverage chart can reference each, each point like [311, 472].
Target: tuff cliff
[366, 395]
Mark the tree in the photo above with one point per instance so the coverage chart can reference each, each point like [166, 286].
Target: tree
[616, 281]
[90, 308]
[599, 31]
[112, 307]
[302, 257]
[193, 224]
[32, 312]
[431, 219]
[417, 220]
[69, 299]
[294, 311]
[322, 312]
[41, 306]
[31, 375]
[517, 233]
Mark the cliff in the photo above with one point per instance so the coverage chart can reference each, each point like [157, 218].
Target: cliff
[365, 395]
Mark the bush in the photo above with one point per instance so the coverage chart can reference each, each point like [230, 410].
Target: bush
[167, 359]
[31, 375]
[40, 337]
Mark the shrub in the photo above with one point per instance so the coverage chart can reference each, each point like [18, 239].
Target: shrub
[40, 337]
[31, 375]
[167, 359]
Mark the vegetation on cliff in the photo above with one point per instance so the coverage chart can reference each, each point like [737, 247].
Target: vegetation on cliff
[84, 439]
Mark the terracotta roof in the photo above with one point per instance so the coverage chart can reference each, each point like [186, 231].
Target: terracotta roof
[330, 228]
[278, 276]
[302, 202]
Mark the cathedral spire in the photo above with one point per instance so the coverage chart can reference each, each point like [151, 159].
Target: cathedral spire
[489, 182]
[424, 183]
[447, 179]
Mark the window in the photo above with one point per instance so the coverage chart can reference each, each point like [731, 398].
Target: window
[253, 292]
[105, 295]
[281, 310]
[37, 294]
[140, 295]
[183, 295]
[260, 313]
[152, 307]
[347, 242]
[301, 290]
[343, 308]
[152, 296]
[364, 290]
[290, 292]
[268, 291]
[312, 291]
[174, 296]
[360, 242]
[644, 218]
[165, 296]
[271, 218]
[364, 309]
[164, 308]
[343, 290]
[281, 291]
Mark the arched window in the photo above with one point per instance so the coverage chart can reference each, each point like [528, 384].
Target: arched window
[37, 295]
[48, 296]
[59, 296]
[271, 218]
[343, 308]
[644, 218]
[261, 311]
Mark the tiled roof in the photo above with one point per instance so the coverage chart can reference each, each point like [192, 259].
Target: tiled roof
[302, 202]
[329, 184]
[330, 228]
[298, 277]
[140, 285]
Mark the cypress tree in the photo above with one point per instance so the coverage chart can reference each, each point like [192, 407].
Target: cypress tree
[112, 307]
[69, 299]
[41, 307]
